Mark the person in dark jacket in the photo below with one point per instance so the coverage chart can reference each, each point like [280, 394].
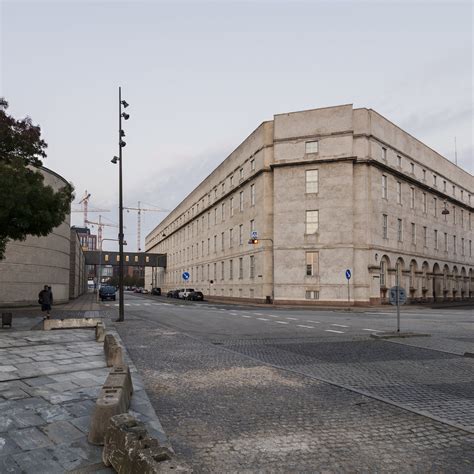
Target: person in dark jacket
[45, 299]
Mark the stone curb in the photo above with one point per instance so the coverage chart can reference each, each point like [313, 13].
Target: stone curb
[394, 335]
[70, 323]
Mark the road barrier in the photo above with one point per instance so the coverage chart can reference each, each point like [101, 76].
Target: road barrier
[100, 332]
[128, 448]
[113, 351]
[70, 323]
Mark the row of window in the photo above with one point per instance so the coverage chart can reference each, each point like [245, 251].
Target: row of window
[435, 181]
[413, 228]
[424, 201]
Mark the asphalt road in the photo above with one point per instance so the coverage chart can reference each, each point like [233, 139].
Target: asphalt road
[247, 388]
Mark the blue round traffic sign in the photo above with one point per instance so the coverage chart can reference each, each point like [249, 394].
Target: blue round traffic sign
[186, 276]
[348, 274]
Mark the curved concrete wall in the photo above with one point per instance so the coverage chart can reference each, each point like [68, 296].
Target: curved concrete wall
[37, 261]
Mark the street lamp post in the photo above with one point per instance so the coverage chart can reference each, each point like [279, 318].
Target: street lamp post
[125, 116]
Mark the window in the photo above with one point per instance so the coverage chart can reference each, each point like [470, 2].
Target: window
[222, 241]
[222, 270]
[241, 268]
[444, 185]
[462, 245]
[312, 222]
[399, 161]
[312, 181]
[435, 207]
[215, 243]
[412, 167]
[202, 248]
[312, 263]
[436, 239]
[215, 270]
[231, 180]
[400, 230]
[434, 180]
[424, 175]
[462, 218]
[106, 258]
[241, 201]
[231, 206]
[382, 273]
[231, 237]
[215, 215]
[384, 186]
[462, 195]
[223, 188]
[312, 147]
[454, 214]
[413, 233]
[424, 202]
[252, 225]
[241, 231]
[208, 246]
[454, 244]
[454, 190]
[412, 198]
[127, 258]
[470, 248]
[223, 211]
[252, 165]
[399, 192]
[425, 235]
[445, 241]
[252, 195]
[241, 173]
[384, 153]
[385, 226]
[231, 269]
[312, 295]
[252, 266]
[208, 220]
[215, 193]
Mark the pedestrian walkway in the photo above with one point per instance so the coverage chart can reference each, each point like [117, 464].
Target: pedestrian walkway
[86, 302]
[49, 382]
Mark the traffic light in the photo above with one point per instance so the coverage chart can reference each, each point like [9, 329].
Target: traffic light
[253, 241]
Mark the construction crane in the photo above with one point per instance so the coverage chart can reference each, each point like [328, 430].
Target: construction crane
[100, 225]
[139, 210]
[85, 207]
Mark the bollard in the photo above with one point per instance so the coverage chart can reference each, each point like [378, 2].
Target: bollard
[120, 377]
[7, 319]
[113, 352]
[100, 332]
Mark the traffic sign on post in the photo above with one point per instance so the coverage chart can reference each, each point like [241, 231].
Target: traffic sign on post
[254, 234]
[348, 274]
[402, 295]
[186, 276]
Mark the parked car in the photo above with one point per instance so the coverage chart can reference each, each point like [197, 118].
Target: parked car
[195, 296]
[107, 293]
[156, 291]
[144, 291]
[170, 294]
[183, 293]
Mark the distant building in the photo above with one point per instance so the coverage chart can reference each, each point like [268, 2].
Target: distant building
[326, 190]
[88, 240]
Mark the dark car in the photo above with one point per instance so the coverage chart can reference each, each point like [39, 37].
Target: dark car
[195, 296]
[107, 293]
[156, 291]
[175, 293]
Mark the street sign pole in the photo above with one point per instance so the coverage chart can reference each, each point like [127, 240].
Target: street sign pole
[348, 278]
[398, 300]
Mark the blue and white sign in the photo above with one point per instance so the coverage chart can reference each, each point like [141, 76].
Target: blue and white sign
[254, 234]
[186, 276]
[348, 274]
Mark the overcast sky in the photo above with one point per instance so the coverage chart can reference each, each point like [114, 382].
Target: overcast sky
[200, 76]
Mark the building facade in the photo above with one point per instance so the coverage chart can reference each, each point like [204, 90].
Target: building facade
[56, 260]
[326, 190]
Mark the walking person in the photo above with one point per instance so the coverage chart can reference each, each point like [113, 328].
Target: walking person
[45, 299]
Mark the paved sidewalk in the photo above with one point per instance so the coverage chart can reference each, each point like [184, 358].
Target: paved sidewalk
[49, 382]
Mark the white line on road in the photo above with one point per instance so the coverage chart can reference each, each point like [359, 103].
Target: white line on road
[374, 330]
[340, 325]
[127, 304]
[273, 315]
[314, 322]
[116, 304]
[292, 319]
[332, 330]
[281, 322]
[245, 316]
[146, 304]
[303, 326]
[263, 319]
[259, 314]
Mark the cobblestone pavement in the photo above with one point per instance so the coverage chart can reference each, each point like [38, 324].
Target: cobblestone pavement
[49, 382]
[226, 411]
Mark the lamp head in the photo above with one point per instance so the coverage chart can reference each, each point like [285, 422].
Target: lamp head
[122, 143]
[114, 160]
[125, 104]
[122, 133]
[125, 116]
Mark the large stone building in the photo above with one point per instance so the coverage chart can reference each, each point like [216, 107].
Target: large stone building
[327, 190]
[56, 260]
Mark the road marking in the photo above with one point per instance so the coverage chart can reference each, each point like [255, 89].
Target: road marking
[340, 325]
[332, 330]
[281, 322]
[259, 314]
[292, 319]
[146, 304]
[127, 304]
[314, 322]
[374, 330]
[263, 319]
[245, 316]
[273, 316]
[116, 304]
[303, 326]
[234, 314]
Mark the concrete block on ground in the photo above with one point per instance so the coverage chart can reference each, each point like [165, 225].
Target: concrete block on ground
[100, 332]
[70, 323]
[128, 448]
[120, 377]
[395, 334]
[7, 319]
[113, 351]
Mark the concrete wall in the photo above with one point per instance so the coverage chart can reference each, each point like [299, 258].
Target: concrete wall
[37, 261]
[77, 270]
